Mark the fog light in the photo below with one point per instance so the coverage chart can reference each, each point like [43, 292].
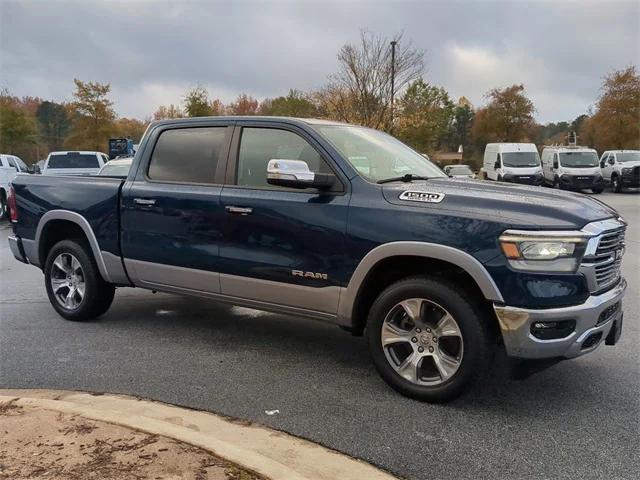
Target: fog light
[553, 329]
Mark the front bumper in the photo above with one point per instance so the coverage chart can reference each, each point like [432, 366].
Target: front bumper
[525, 179]
[16, 248]
[581, 182]
[589, 332]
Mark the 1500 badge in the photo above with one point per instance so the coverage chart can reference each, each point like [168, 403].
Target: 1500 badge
[425, 197]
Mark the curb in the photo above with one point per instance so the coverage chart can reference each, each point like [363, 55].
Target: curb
[268, 452]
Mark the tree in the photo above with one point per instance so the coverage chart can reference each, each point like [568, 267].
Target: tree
[54, 124]
[360, 92]
[462, 121]
[17, 128]
[92, 116]
[616, 121]
[425, 116]
[218, 108]
[166, 112]
[244, 105]
[295, 104]
[508, 116]
[196, 102]
[130, 128]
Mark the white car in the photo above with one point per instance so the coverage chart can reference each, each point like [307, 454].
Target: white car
[10, 166]
[116, 168]
[74, 163]
[621, 168]
[572, 168]
[512, 162]
[458, 171]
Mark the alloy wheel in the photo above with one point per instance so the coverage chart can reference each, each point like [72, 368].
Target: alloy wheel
[422, 342]
[67, 281]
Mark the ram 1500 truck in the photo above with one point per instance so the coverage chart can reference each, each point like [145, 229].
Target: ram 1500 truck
[339, 223]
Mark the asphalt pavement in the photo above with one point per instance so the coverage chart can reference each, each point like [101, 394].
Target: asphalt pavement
[578, 419]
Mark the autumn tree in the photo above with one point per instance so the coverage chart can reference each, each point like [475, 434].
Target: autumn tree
[218, 108]
[196, 102]
[295, 104]
[54, 122]
[130, 128]
[507, 117]
[616, 121]
[17, 127]
[360, 92]
[244, 105]
[92, 116]
[425, 116]
[165, 112]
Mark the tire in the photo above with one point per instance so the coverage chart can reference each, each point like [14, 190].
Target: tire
[70, 266]
[470, 350]
[597, 190]
[616, 184]
[556, 183]
[499, 179]
[4, 210]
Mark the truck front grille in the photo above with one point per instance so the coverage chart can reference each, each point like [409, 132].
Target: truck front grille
[605, 263]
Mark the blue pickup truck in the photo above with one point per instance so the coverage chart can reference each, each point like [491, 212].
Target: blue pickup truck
[339, 223]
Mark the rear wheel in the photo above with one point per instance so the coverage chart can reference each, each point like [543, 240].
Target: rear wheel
[74, 285]
[3, 205]
[427, 339]
[616, 185]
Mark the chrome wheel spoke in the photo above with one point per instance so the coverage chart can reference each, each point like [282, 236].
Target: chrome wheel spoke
[75, 265]
[69, 300]
[412, 308]
[80, 290]
[59, 263]
[445, 364]
[408, 369]
[392, 334]
[58, 283]
[447, 327]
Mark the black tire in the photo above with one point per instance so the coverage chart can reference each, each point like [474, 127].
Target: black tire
[556, 182]
[499, 179]
[4, 210]
[616, 184]
[597, 190]
[477, 338]
[98, 294]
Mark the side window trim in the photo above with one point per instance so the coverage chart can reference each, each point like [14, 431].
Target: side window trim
[230, 174]
[145, 162]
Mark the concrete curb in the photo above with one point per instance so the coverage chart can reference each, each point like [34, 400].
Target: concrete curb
[273, 454]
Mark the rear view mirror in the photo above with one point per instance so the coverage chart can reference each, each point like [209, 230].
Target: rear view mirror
[296, 174]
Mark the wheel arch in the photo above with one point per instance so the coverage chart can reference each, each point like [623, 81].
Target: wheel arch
[391, 261]
[56, 225]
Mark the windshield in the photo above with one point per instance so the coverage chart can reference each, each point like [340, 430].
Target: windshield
[628, 156]
[73, 160]
[578, 159]
[461, 170]
[116, 170]
[520, 159]
[376, 155]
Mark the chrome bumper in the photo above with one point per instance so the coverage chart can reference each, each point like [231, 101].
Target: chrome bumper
[515, 324]
[16, 249]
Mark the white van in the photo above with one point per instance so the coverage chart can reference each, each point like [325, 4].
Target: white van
[10, 166]
[512, 162]
[74, 163]
[572, 168]
[621, 168]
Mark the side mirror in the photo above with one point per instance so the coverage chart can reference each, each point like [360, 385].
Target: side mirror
[612, 160]
[555, 164]
[601, 163]
[296, 174]
[497, 164]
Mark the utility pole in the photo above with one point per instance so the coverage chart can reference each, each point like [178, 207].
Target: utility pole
[393, 78]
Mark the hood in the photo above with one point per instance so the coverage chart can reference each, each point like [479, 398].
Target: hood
[520, 206]
[629, 164]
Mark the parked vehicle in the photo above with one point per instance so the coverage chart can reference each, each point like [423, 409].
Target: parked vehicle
[572, 168]
[459, 171]
[512, 162]
[116, 168]
[74, 163]
[273, 214]
[621, 168]
[119, 147]
[10, 166]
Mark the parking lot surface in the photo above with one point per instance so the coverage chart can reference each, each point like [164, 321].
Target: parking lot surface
[578, 419]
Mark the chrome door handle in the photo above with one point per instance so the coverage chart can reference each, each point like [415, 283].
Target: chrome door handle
[147, 202]
[239, 210]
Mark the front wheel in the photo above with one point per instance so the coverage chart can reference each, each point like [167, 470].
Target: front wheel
[73, 283]
[3, 206]
[597, 190]
[427, 339]
[616, 185]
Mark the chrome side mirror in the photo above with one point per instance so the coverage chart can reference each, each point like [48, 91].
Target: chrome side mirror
[296, 174]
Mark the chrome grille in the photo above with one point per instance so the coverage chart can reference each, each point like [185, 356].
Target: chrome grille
[605, 260]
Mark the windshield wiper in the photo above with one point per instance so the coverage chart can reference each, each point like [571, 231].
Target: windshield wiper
[409, 177]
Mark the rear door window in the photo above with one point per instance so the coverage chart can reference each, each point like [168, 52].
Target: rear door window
[12, 163]
[188, 155]
[73, 160]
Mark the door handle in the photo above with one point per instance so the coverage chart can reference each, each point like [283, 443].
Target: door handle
[239, 210]
[145, 202]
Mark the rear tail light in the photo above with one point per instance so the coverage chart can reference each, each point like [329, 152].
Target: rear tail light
[11, 203]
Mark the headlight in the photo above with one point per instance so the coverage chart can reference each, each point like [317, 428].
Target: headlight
[543, 251]
[627, 170]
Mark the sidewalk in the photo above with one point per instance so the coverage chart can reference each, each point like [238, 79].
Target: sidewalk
[78, 436]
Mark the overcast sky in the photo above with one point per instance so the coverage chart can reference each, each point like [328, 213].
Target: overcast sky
[152, 52]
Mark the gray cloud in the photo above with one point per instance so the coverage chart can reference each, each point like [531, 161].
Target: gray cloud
[151, 52]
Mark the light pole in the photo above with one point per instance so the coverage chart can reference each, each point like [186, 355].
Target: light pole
[393, 78]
